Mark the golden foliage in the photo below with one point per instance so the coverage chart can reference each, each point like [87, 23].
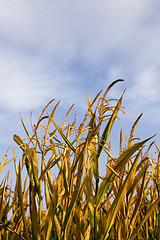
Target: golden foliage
[81, 204]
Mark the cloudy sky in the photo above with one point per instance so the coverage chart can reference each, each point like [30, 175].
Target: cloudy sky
[63, 49]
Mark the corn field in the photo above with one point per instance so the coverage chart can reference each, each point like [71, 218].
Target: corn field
[124, 204]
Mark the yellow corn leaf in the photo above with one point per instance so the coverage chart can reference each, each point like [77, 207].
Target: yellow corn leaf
[77, 187]
[50, 216]
[2, 163]
[111, 85]
[81, 127]
[132, 130]
[26, 130]
[15, 164]
[19, 141]
[87, 233]
[137, 206]
[92, 151]
[63, 123]
[89, 182]
[77, 217]
[33, 214]
[50, 182]
[113, 171]
[50, 164]
[108, 127]
[49, 122]
[47, 194]
[2, 199]
[31, 161]
[20, 196]
[41, 116]
[63, 136]
[119, 164]
[119, 198]
[57, 227]
[137, 178]
[5, 164]
[148, 213]
[6, 226]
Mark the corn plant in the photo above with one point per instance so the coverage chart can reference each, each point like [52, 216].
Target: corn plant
[74, 201]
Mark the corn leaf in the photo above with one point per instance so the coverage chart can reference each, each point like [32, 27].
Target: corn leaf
[148, 213]
[33, 214]
[20, 196]
[3, 161]
[119, 198]
[120, 163]
[108, 127]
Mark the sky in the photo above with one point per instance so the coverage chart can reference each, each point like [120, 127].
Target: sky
[65, 49]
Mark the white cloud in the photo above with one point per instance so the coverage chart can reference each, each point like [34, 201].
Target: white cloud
[27, 81]
[146, 86]
[42, 41]
[143, 95]
[119, 36]
[22, 81]
[87, 28]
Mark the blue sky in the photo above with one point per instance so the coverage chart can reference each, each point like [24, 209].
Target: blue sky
[63, 49]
